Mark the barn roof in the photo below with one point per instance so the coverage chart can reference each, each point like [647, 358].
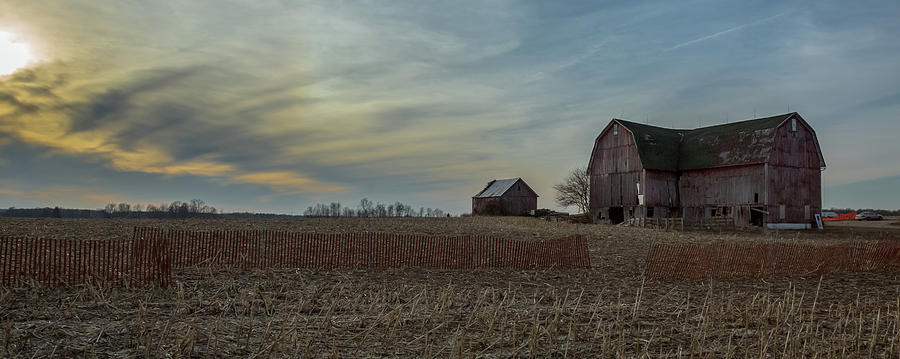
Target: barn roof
[738, 143]
[497, 188]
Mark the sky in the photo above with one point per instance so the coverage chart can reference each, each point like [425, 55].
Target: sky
[273, 106]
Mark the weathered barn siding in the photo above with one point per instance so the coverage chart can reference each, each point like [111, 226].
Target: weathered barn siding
[794, 175]
[489, 206]
[518, 200]
[661, 193]
[615, 170]
[706, 191]
[518, 206]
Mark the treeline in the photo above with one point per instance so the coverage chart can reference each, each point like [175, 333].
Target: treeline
[54, 212]
[883, 212]
[194, 208]
[191, 209]
[368, 208]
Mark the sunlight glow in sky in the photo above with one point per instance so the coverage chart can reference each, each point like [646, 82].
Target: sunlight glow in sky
[275, 106]
[14, 54]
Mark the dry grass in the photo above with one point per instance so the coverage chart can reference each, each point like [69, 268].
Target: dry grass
[607, 311]
[467, 314]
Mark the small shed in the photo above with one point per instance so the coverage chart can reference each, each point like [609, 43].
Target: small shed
[505, 197]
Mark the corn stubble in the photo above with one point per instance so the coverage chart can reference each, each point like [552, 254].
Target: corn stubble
[608, 311]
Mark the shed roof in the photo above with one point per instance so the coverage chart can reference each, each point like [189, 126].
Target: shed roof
[497, 188]
[738, 143]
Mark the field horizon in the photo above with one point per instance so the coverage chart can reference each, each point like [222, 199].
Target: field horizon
[610, 310]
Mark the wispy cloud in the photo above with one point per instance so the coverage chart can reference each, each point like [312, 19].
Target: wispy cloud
[725, 32]
[59, 195]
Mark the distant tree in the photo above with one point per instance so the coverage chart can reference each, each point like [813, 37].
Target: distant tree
[365, 208]
[335, 209]
[575, 190]
[196, 206]
[368, 208]
[123, 208]
[109, 209]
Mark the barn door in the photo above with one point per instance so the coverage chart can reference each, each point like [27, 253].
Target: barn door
[616, 215]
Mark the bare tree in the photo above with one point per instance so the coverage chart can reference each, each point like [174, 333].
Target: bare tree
[335, 209]
[575, 190]
[123, 207]
[109, 209]
[365, 208]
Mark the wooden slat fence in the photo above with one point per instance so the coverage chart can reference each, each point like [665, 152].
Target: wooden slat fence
[140, 261]
[757, 260]
[152, 253]
[279, 249]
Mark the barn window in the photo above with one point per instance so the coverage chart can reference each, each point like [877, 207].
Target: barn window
[649, 212]
[781, 211]
[756, 198]
[794, 124]
[615, 129]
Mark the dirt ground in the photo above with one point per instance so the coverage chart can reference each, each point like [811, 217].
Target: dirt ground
[606, 311]
[887, 224]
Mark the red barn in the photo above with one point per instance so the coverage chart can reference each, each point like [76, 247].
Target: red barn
[764, 171]
[505, 197]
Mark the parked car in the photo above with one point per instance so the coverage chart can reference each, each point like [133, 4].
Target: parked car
[868, 216]
[829, 214]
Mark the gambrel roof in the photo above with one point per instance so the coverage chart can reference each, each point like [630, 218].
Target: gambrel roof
[739, 143]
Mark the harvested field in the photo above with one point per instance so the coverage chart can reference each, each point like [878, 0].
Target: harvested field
[605, 311]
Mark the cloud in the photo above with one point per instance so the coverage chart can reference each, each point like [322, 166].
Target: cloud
[287, 182]
[724, 32]
[114, 128]
[9, 192]
[57, 195]
[290, 100]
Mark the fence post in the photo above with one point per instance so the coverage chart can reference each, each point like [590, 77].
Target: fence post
[369, 250]
[472, 259]
[718, 259]
[647, 260]
[262, 251]
[774, 253]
